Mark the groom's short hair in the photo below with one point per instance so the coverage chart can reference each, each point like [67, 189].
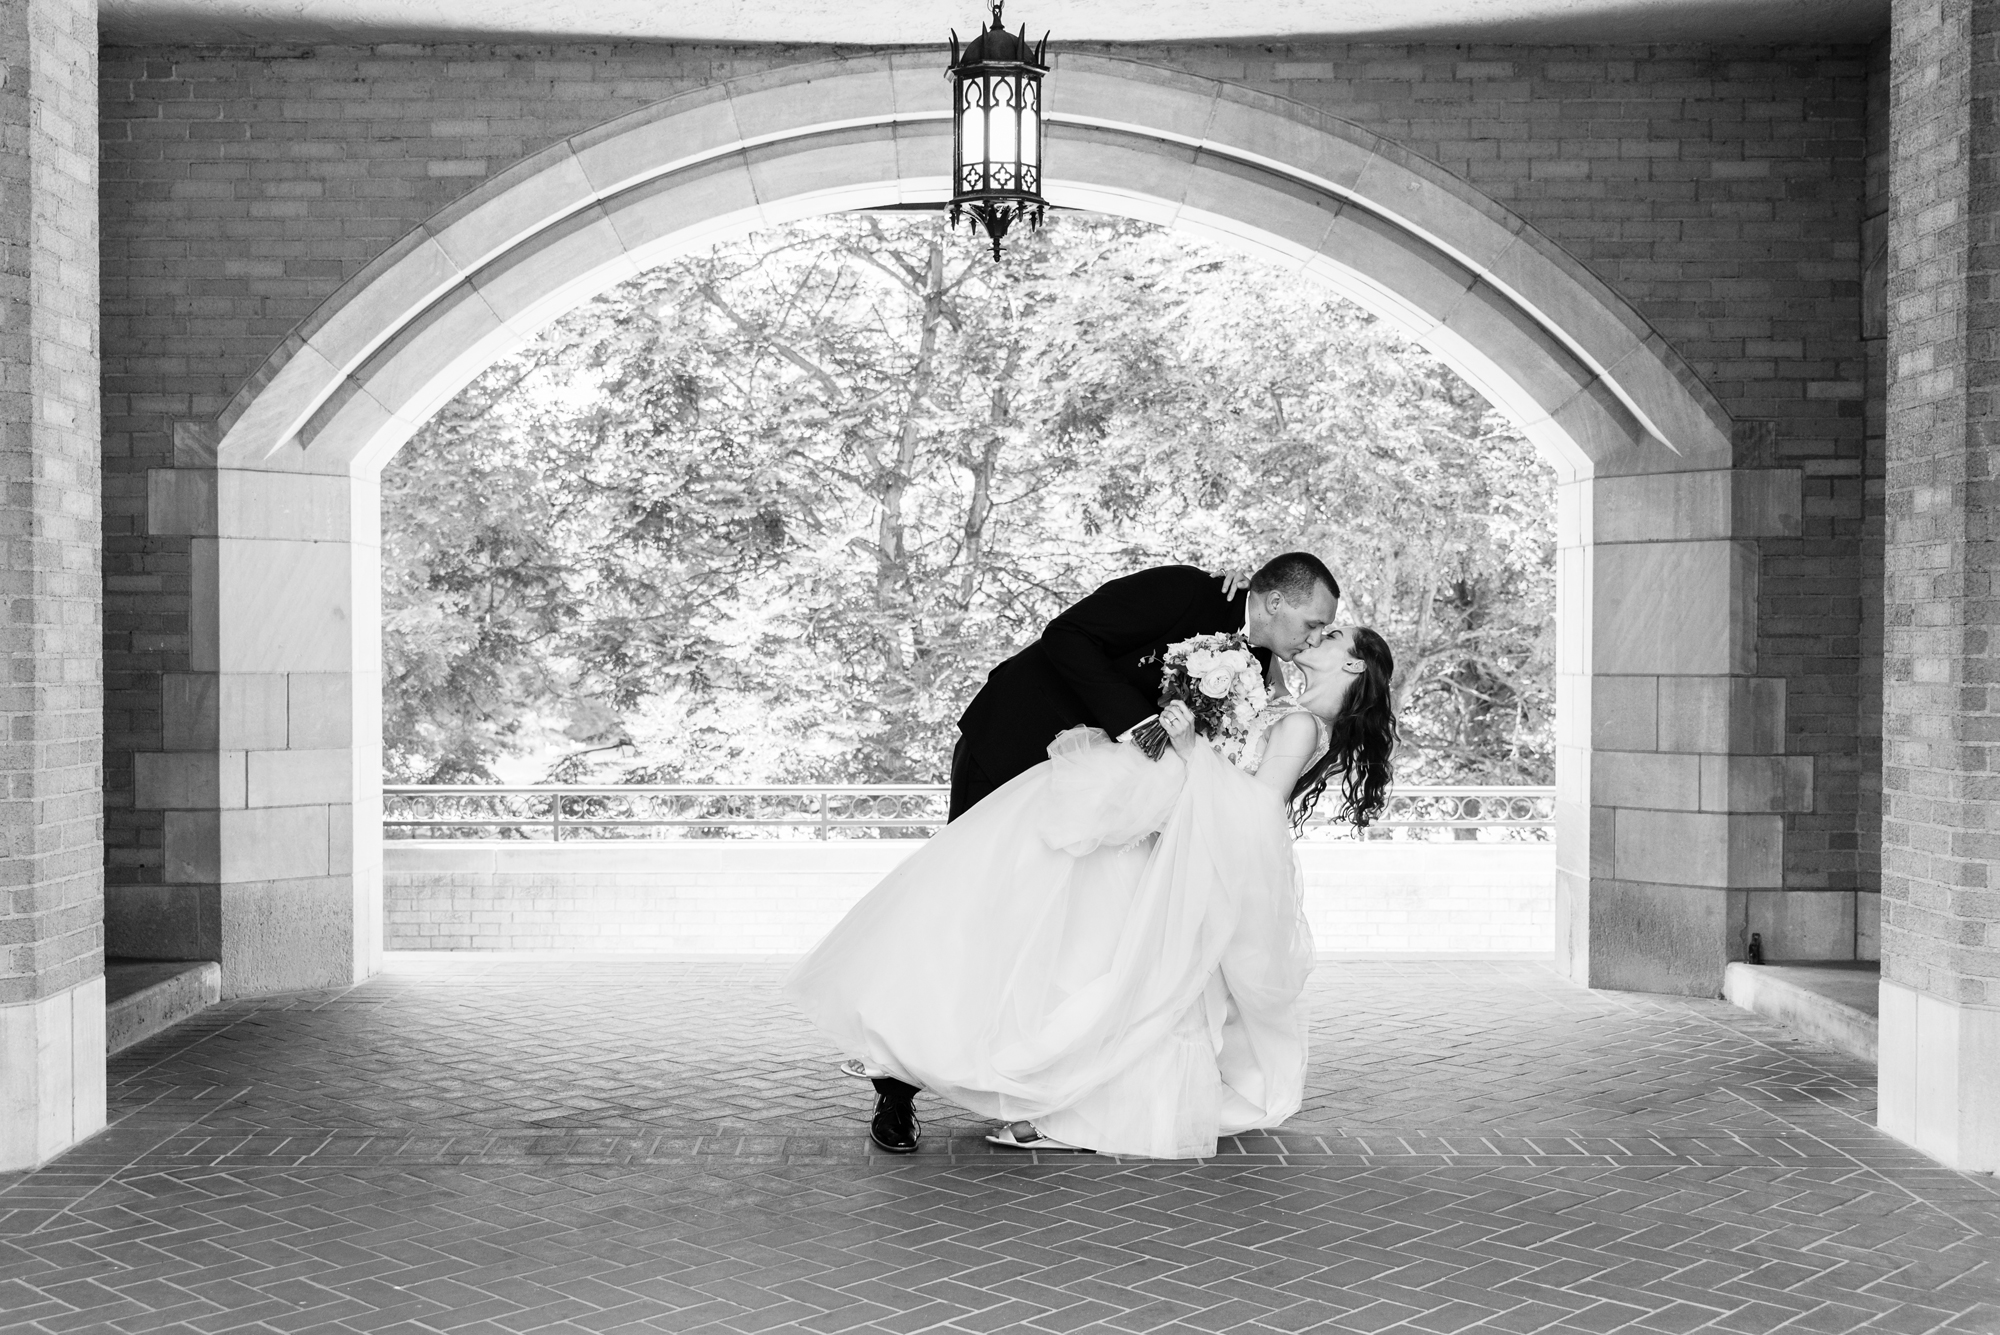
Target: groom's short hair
[1294, 574]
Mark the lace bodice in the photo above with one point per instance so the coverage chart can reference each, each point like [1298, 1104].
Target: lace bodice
[1267, 719]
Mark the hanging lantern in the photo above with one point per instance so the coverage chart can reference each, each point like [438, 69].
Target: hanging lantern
[996, 136]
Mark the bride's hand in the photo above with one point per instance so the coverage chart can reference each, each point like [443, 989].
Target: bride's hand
[1177, 721]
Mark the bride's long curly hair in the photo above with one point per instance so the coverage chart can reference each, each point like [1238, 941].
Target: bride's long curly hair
[1364, 737]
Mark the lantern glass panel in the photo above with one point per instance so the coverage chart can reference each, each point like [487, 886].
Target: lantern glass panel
[1031, 137]
[972, 136]
[1005, 131]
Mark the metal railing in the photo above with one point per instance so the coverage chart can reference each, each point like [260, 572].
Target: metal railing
[565, 813]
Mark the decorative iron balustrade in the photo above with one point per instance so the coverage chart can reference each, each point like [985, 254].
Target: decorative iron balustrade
[562, 812]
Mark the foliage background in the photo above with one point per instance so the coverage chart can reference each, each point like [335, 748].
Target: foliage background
[770, 512]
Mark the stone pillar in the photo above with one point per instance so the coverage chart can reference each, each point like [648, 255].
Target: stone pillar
[1673, 782]
[268, 756]
[1940, 1026]
[51, 701]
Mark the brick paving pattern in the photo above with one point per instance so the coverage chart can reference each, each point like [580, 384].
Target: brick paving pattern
[482, 1144]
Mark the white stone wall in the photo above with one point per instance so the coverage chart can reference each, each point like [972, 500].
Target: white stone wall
[779, 898]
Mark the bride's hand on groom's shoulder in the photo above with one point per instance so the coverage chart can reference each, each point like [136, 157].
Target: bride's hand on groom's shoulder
[1233, 582]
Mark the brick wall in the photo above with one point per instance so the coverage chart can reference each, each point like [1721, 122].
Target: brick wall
[1941, 910]
[1720, 191]
[51, 854]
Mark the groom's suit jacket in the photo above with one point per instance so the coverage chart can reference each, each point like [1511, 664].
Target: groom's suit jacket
[1085, 670]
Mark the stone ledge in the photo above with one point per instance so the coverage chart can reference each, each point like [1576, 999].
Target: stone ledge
[1833, 1003]
[142, 998]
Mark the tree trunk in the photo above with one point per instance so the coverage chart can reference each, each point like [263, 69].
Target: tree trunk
[983, 466]
[894, 589]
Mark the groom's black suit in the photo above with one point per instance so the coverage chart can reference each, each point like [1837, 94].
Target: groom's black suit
[1084, 670]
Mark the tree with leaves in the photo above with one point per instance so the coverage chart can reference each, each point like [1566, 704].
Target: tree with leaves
[769, 513]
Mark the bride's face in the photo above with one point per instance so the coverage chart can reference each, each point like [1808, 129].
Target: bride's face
[1331, 671]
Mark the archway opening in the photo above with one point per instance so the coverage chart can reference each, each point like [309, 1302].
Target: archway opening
[1652, 870]
[768, 513]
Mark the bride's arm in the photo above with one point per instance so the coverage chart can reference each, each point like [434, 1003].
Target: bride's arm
[1294, 738]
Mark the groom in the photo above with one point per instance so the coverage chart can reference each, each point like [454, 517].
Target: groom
[1085, 669]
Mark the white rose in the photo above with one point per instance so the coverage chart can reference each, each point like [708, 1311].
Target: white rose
[1217, 683]
[1200, 662]
[1236, 660]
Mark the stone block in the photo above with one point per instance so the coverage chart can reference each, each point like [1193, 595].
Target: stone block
[352, 429]
[146, 999]
[1663, 937]
[554, 271]
[1680, 414]
[249, 844]
[1756, 783]
[1096, 91]
[1939, 1077]
[379, 300]
[450, 341]
[1575, 601]
[294, 778]
[319, 710]
[1624, 714]
[207, 711]
[194, 444]
[1428, 201]
[1867, 925]
[1251, 209]
[162, 922]
[304, 591]
[1119, 164]
[511, 206]
[657, 140]
[1413, 284]
[188, 779]
[52, 1091]
[1737, 715]
[284, 505]
[286, 935]
[1673, 848]
[1667, 608]
[1649, 779]
[1665, 507]
[1803, 924]
[706, 201]
[1598, 431]
[815, 97]
[1576, 512]
[1568, 297]
[1534, 361]
[272, 416]
[181, 501]
[1767, 502]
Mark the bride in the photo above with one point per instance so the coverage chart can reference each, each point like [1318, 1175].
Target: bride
[1107, 952]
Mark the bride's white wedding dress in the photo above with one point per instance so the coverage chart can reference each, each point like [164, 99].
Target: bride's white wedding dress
[1108, 946]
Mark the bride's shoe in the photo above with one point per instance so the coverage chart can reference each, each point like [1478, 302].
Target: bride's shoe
[1024, 1136]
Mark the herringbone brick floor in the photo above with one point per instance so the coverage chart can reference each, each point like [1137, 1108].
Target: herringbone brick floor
[475, 1144]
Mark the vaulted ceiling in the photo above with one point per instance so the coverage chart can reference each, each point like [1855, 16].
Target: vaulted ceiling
[923, 22]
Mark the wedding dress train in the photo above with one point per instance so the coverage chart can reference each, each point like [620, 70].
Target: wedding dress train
[1107, 946]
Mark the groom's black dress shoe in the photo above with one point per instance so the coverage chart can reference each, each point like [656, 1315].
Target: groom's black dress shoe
[895, 1126]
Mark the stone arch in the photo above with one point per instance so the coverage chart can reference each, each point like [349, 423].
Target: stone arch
[1651, 885]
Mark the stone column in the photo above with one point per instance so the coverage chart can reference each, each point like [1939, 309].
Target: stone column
[51, 701]
[272, 736]
[1940, 1028]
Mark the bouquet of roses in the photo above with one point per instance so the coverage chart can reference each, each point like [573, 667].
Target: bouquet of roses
[1218, 678]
